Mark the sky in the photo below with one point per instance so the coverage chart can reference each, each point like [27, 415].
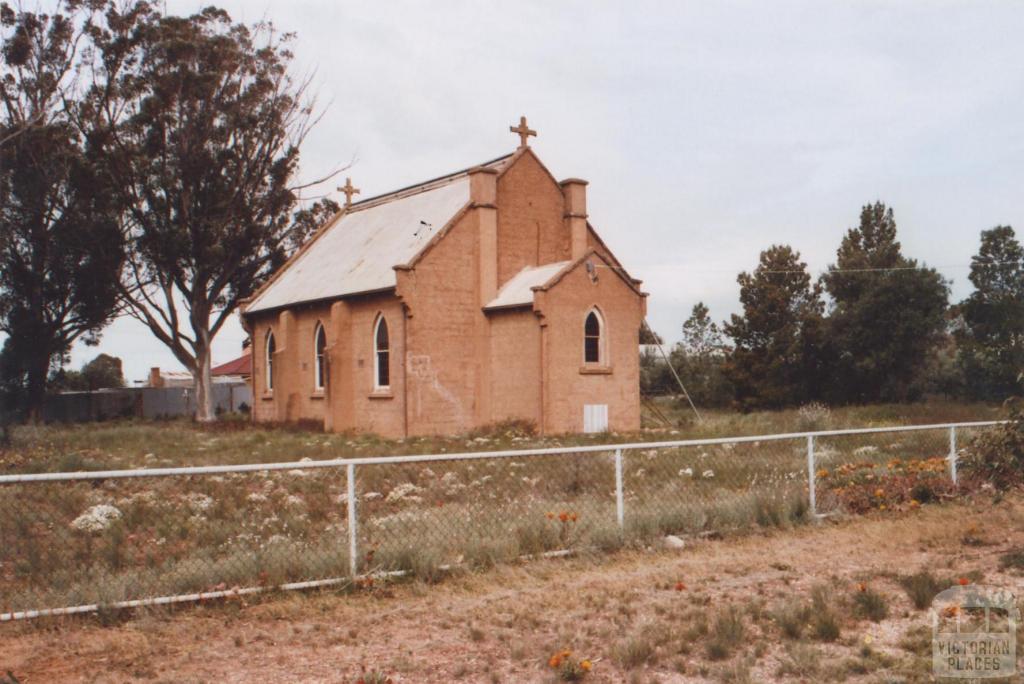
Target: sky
[708, 131]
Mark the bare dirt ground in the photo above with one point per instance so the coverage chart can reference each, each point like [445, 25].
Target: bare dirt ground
[638, 617]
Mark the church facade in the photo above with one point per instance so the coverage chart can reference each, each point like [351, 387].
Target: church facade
[476, 298]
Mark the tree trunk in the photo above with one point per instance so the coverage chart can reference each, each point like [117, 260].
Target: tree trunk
[38, 368]
[203, 380]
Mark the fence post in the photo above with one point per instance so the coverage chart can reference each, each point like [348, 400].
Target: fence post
[952, 453]
[620, 509]
[353, 553]
[811, 475]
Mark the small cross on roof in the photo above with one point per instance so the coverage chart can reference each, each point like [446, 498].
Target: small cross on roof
[349, 190]
[523, 131]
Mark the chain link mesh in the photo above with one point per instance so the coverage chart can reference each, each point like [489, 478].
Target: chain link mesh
[105, 541]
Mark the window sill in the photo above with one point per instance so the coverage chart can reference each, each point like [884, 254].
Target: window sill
[382, 394]
[318, 395]
[267, 396]
[595, 370]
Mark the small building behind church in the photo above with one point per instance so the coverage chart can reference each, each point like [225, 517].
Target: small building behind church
[475, 298]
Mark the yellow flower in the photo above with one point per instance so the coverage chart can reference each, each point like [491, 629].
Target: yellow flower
[879, 493]
[586, 665]
[914, 503]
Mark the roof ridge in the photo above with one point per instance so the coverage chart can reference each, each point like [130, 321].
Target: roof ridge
[423, 186]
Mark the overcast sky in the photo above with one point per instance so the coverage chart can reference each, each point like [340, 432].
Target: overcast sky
[708, 131]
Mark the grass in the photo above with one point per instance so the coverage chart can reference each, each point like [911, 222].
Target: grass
[727, 631]
[792, 618]
[922, 587]
[623, 612]
[192, 534]
[1012, 559]
[825, 619]
[870, 604]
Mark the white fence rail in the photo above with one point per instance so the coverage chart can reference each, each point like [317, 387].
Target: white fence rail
[78, 542]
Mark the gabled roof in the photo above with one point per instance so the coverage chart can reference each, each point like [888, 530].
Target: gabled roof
[519, 290]
[357, 250]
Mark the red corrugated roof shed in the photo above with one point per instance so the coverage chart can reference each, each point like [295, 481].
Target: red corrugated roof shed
[240, 366]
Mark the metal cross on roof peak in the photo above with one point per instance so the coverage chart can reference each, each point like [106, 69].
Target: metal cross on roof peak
[523, 131]
[349, 190]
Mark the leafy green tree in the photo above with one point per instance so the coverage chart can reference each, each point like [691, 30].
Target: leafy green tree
[776, 359]
[61, 250]
[102, 372]
[888, 314]
[990, 330]
[204, 152]
[700, 359]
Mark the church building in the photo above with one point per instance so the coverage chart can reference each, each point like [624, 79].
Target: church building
[475, 298]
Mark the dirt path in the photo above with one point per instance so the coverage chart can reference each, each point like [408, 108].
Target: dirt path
[626, 613]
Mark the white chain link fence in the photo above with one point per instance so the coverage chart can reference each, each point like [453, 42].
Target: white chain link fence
[80, 542]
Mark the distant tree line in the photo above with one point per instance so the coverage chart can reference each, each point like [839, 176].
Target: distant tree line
[877, 326]
[148, 168]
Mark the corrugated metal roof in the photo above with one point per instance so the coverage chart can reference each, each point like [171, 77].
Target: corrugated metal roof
[519, 290]
[359, 251]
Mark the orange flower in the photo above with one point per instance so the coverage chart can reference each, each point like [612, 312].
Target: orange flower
[963, 581]
[680, 586]
[822, 474]
[914, 503]
[563, 516]
[861, 587]
[879, 493]
[555, 660]
[586, 665]
[573, 517]
[551, 516]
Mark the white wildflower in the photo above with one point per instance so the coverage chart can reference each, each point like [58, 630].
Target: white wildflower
[96, 518]
[402, 491]
[686, 472]
[199, 502]
[708, 474]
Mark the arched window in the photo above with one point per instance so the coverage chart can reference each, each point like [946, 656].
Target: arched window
[271, 347]
[320, 354]
[381, 355]
[592, 343]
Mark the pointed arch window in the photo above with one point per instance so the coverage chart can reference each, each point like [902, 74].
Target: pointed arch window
[381, 355]
[270, 348]
[320, 357]
[593, 344]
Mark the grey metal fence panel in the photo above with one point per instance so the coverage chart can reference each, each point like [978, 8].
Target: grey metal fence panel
[72, 542]
[142, 402]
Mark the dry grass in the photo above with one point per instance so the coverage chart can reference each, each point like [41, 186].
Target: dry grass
[622, 612]
[180, 535]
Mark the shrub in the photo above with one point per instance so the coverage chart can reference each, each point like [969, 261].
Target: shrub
[1012, 559]
[922, 587]
[792, 618]
[635, 651]
[824, 618]
[997, 457]
[870, 604]
[727, 632]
